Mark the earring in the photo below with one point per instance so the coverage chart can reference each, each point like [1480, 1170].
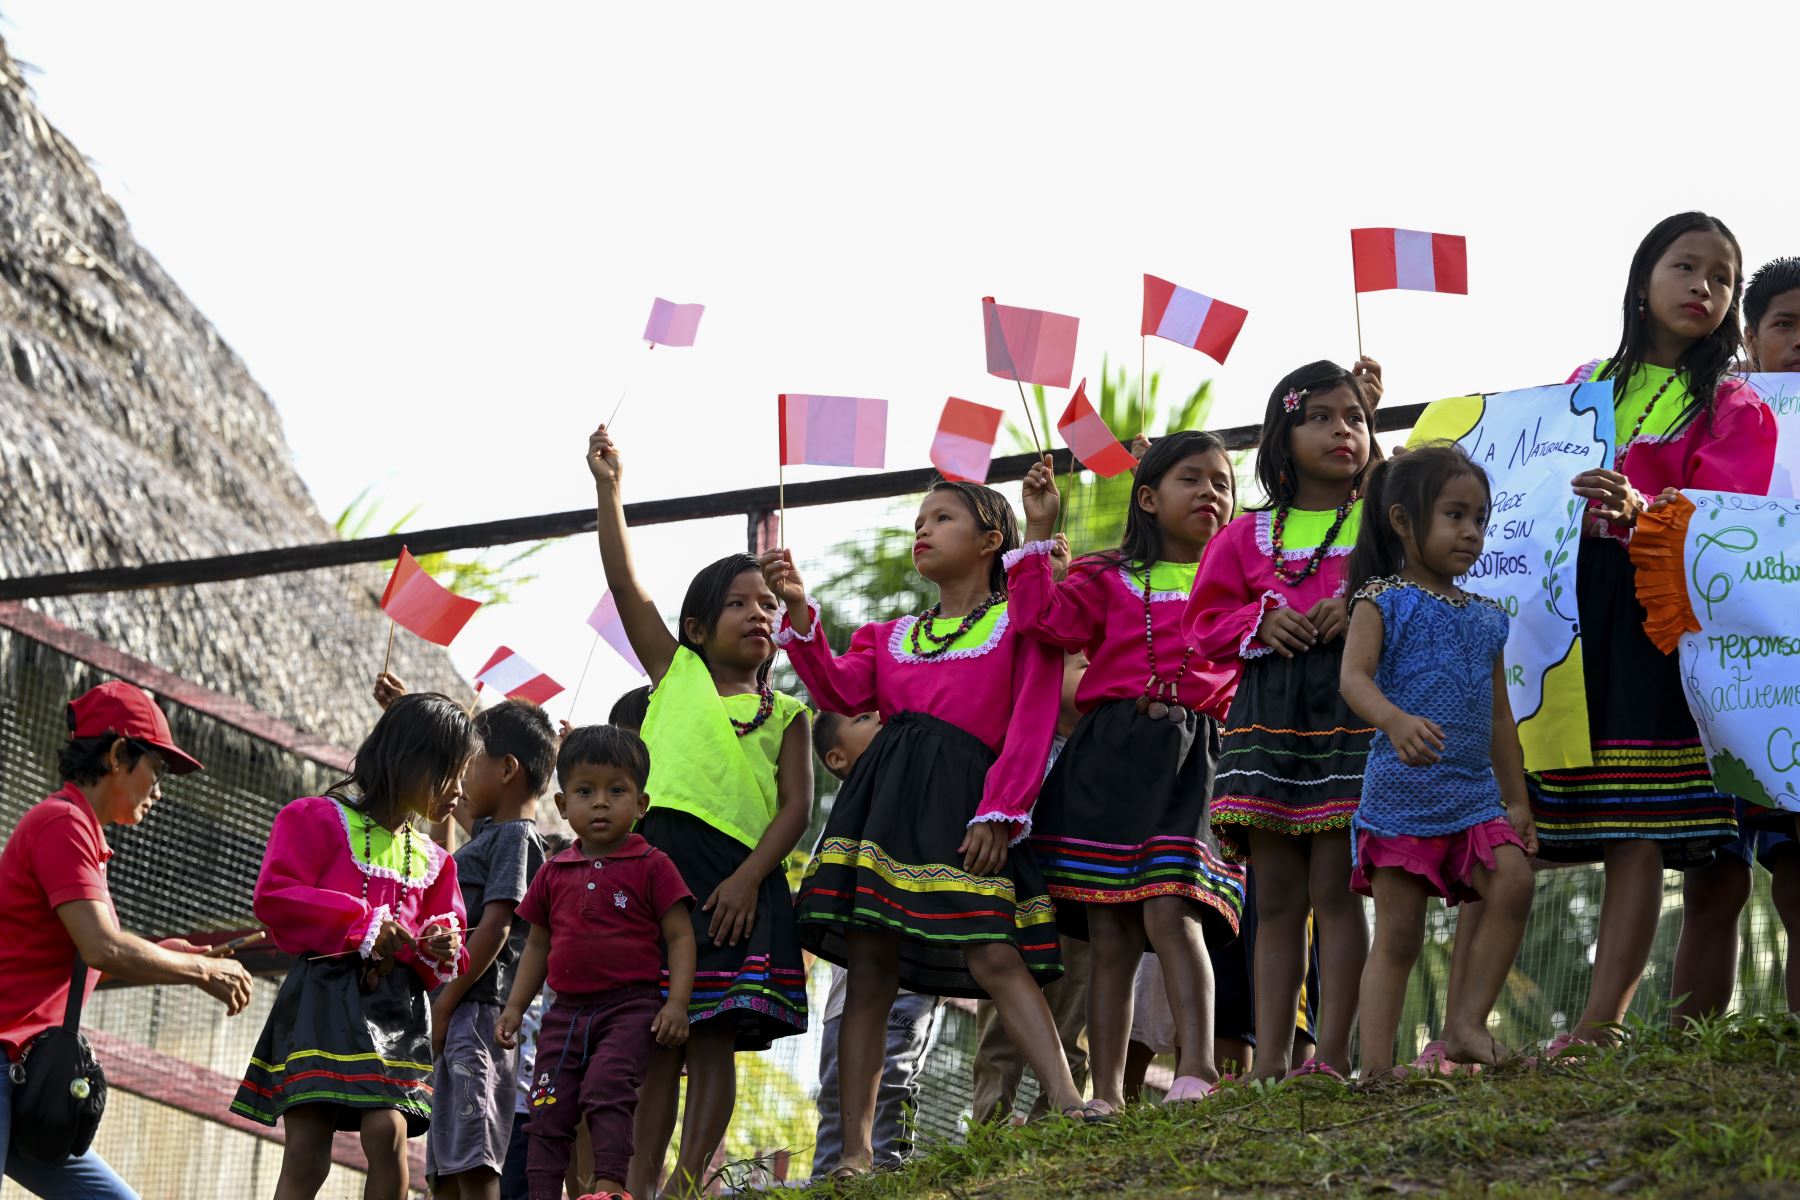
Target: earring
[1640, 308]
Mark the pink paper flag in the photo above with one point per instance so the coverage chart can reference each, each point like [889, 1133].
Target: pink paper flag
[1209, 326]
[605, 621]
[1029, 344]
[420, 603]
[1085, 433]
[832, 431]
[508, 673]
[964, 445]
[672, 324]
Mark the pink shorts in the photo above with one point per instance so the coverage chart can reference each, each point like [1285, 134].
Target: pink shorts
[1446, 863]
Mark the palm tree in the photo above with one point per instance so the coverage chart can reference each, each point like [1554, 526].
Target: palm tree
[473, 578]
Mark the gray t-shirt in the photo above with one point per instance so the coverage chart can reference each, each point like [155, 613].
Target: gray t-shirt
[498, 864]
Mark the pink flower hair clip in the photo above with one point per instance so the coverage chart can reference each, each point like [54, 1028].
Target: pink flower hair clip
[1291, 401]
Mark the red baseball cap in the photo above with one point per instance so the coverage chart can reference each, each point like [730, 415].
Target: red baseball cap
[126, 710]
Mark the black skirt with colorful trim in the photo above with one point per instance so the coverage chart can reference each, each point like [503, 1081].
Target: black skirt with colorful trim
[759, 985]
[329, 1042]
[1650, 778]
[1292, 754]
[888, 863]
[1126, 816]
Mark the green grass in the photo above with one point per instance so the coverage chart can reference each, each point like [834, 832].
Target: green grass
[1714, 1111]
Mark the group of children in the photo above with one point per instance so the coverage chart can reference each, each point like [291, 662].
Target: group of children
[1301, 691]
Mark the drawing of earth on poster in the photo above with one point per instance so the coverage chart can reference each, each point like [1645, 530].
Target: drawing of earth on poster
[1736, 638]
[1532, 443]
[1782, 394]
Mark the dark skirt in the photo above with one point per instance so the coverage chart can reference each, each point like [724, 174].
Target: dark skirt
[1292, 754]
[328, 1042]
[1125, 817]
[887, 863]
[1650, 778]
[758, 985]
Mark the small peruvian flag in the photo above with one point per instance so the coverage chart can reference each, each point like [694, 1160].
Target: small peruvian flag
[1209, 326]
[964, 445]
[420, 603]
[1088, 438]
[509, 674]
[1410, 260]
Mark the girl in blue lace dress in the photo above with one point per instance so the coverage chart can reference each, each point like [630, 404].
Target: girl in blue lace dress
[1444, 809]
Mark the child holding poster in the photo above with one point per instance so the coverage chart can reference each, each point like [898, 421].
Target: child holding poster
[1270, 599]
[1648, 800]
[1444, 810]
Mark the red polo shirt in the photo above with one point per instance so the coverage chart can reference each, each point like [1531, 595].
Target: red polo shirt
[605, 915]
[55, 855]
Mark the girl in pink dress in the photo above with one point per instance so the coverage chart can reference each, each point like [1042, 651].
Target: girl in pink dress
[370, 908]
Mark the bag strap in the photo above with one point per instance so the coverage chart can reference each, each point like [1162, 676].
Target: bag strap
[77, 992]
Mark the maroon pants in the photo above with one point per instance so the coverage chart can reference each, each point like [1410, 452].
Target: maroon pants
[592, 1052]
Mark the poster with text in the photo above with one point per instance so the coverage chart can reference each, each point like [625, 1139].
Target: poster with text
[1782, 393]
[1532, 443]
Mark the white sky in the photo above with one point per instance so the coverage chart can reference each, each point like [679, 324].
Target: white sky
[433, 231]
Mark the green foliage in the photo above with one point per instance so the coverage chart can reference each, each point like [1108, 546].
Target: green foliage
[490, 582]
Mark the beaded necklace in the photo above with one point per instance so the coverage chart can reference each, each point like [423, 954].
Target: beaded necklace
[369, 857]
[1625, 447]
[764, 707]
[1282, 572]
[942, 644]
[1162, 697]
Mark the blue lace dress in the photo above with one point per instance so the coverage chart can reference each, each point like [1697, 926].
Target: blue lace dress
[1437, 662]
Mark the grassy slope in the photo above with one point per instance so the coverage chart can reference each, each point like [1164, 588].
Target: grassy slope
[1713, 1112]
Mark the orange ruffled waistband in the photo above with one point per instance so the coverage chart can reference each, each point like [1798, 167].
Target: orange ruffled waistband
[1658, 550]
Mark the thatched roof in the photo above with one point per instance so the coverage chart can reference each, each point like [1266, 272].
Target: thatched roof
[130, 433]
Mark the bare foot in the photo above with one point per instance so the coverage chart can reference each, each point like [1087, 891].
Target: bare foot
[1474, 1045]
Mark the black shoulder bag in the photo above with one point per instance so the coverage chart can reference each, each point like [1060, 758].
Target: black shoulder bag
[59, 1090]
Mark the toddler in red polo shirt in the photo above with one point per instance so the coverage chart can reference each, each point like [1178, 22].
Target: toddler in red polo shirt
[602, 913]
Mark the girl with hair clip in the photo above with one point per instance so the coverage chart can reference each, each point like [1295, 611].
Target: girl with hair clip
[730, 790]
[1444, 811]
[922, 878]
[1270, 601]
[352, 890]
[1123, 828]
[1648, 801]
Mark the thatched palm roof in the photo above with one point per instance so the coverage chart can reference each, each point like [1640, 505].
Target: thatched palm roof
[130, 433]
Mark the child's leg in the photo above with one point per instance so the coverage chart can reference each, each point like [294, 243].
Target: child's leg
[1138, 1058]
[1629, 911]
[911, 1024]
[655, 1123]
[1233, 1056]
[306, 1154]
[1506, 891]
[828, 1139]
[1115, 944]
[1399, 934]
[618, 1056]
[1712, 899]
[711, 1095]
[1280, 962]
[1784, 889]
[1343, 927]
[1001, 973]
[862, 1039]
[1468, 934]
[562, 1055]
[1173, 926]
[384, 1148]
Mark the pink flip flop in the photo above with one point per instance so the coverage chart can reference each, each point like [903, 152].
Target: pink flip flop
[1313, 1067]
[1189, 1088]
[1433, 1061]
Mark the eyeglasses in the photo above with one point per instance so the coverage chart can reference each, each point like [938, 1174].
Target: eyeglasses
[158, 768]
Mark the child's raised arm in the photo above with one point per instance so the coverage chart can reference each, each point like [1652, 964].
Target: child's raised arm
[650, 639]
[1416, 740]
[1509, 765]
[838, 683]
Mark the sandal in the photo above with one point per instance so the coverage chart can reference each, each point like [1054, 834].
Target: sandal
[1312, 1068]
[844, 1174]
[1188, 1089]
[1094, 1112]
[1434, 1061]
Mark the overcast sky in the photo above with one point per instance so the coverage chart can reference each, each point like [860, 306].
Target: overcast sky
[434, 231]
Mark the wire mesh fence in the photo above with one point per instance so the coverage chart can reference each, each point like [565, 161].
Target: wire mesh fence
[191, 866]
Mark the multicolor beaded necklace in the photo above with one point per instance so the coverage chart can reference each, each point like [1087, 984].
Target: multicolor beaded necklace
[765, 706]
[1161, 700]
[1625, 446]
[1282, 572]
[940, 645]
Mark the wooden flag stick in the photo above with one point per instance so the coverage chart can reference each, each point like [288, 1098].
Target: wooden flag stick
[781, 504]
[388, 658]
[621, 401]
[1143, 386]
[584, 670]
[1029, 420]
[1359, 349]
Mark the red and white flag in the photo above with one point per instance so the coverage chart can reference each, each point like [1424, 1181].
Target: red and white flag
[1029, 344]
[964, 445]
[508, 673]
[1407, 259]
[1209, 326]
[420, 603]
[604, 620]
[1088, 438]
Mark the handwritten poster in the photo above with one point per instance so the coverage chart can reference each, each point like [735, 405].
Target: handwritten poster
[1737, 642]
[1782, 394]
[1532, 443]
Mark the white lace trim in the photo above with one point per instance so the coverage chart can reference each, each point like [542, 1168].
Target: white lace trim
[432, 861]
[1013, 557]
[898, 648]
[787, 633]
[1156, 597]
[1024, 824]
[376, 918]
[444, 972]
[1265, 521]
[1245, 650]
